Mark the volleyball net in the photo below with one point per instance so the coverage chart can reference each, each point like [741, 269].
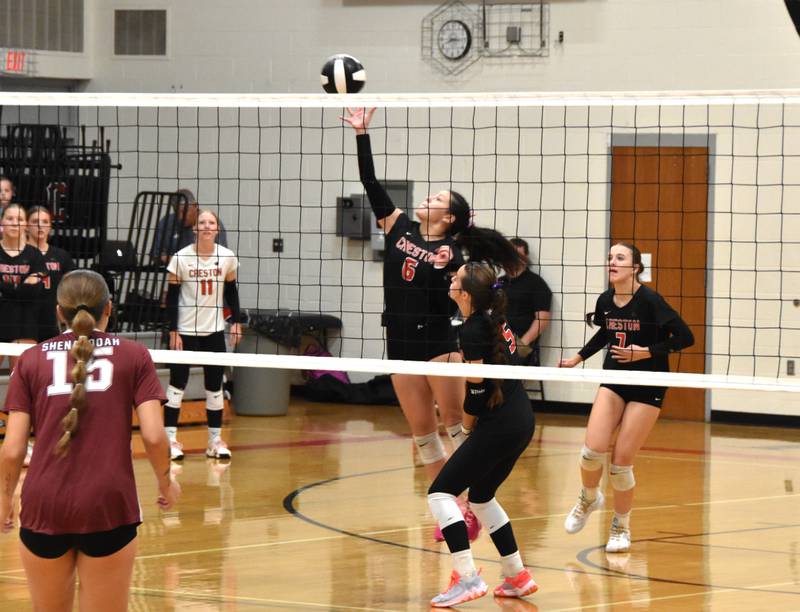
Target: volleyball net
[707, 185]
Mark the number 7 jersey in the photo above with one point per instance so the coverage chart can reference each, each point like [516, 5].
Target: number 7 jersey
[202, 282]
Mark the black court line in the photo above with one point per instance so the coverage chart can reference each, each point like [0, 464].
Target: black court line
[582, 556]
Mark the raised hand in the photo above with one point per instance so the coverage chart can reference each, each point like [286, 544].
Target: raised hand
[358, 118]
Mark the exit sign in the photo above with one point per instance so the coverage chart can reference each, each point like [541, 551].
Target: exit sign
[15, 61]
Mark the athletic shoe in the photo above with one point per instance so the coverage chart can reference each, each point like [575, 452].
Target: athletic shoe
[473, 525]
[619, 538]
[28, 455]
[519, 586]
[175, 450]
[460, 590]
[218, 449]
[576, 518]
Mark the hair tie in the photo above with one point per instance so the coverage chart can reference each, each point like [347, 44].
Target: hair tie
[497, 285]
[80, 307]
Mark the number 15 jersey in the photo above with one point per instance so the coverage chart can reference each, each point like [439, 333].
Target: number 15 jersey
[202, 282]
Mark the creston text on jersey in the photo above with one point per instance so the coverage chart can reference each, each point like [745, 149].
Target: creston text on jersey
[205, 273]
[65, 345]
[440, 257]
[623, 324]
[14, 268]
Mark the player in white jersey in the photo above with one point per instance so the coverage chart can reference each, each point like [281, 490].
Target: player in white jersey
[201, 276]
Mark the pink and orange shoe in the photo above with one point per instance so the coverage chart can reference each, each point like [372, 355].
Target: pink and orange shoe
[473, 524]
[518, 586]
[460, 590]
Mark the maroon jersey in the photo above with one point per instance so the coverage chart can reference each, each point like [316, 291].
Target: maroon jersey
[92, 488]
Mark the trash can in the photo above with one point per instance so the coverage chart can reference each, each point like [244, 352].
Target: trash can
[260, 391]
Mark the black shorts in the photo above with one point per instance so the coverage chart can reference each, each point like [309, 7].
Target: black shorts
[420, 344]
[95, 544]
[652, 396]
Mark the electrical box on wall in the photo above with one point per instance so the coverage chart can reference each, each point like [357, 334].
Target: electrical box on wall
[353, 217]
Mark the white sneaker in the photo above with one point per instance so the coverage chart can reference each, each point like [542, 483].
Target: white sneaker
[619, 538]
[218, 449]
[175, 450]
[576, 518]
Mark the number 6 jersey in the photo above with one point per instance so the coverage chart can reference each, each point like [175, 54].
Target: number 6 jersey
[202, 282]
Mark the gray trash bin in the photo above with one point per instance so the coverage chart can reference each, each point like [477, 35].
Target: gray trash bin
[260, 391]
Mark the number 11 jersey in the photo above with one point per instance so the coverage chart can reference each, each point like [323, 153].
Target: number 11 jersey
[202, 282]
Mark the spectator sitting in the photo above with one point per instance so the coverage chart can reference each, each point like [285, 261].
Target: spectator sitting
[528, 310]
[176, 230]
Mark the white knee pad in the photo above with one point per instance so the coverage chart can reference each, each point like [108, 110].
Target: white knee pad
[430, 448]
[456, 434]
[591, 461]
[214, 400]
[444, 509]
[491, 514]
[174, 396]
[621, 477]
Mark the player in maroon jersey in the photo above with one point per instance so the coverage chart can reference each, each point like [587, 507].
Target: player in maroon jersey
[79, 507]
[641, 329]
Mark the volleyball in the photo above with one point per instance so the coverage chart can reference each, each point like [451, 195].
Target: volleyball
[342, 73]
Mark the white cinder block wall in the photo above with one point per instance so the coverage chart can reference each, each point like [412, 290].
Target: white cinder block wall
[559, 203]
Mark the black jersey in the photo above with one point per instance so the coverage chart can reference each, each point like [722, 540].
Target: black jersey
[57, 263]
[477, 339]
[416, 276]
[527, 294]
[19, 303]
[646, 320]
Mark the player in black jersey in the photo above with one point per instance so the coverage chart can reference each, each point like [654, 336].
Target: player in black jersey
[21, 272]
[641, 330]
[420, 256]
[499, 423]
[57, 261]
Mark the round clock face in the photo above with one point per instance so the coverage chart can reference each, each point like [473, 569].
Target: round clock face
[454, 39]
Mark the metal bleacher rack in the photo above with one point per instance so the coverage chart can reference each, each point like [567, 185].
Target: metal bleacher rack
[72, 179]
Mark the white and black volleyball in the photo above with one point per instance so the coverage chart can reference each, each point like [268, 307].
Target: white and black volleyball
[342, 74]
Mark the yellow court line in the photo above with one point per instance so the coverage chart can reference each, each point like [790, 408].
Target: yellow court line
[741, 499]
[252, 600]
[715, 461]
[241, 547]
[642, 600]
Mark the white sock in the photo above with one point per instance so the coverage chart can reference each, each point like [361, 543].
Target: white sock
[172, 433]
[623, 520]
[213, 434]
[589, 493]
[463, 562]
[511, 564]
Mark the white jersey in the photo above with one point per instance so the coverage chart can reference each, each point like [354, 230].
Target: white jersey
[202, 283]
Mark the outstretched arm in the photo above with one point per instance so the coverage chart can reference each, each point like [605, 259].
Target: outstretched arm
[383, 207]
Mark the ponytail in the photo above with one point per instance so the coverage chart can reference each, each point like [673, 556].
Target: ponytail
[82, 323]
[82, 296]
[497, 318]
[484, 244]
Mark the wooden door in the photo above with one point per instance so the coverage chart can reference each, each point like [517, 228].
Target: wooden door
[659, 202]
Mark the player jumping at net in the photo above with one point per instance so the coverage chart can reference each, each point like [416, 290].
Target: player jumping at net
[200, 275]
[641, 329]
[80, 510]
[499, 423]
[419, 256]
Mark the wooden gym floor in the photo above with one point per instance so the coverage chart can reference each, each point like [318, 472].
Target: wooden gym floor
[323, 510]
